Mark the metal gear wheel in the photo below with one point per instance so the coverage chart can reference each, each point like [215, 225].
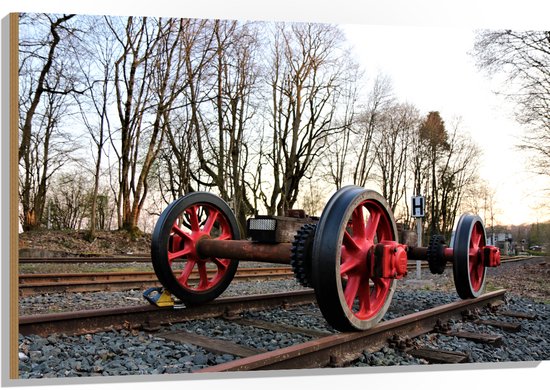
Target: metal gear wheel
[300, 258]
[436, 260]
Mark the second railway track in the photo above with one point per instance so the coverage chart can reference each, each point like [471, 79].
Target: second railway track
[32, 284]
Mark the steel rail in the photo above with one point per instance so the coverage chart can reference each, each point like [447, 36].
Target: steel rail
[135, 317]
[32, 284]
[335, 350]
[81, 259]
[138, 275]
[96, 281]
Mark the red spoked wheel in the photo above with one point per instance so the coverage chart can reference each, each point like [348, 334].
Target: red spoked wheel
[468, 268]
[178, 266]
[348, 295]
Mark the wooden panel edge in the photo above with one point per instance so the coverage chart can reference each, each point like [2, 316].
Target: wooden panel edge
[14, 197]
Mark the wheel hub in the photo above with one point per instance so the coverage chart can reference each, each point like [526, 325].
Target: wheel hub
[390, 260]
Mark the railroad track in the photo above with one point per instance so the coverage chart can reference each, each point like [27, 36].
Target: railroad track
[33, 284]
[325, 349]
[149, 316]
[336, 350]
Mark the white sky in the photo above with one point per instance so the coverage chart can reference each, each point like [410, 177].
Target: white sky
[431, 68]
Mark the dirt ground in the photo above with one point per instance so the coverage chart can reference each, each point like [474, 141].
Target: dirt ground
[529, 278]
[74, 243]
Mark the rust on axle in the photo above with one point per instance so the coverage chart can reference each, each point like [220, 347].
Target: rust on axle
[245, 250]
[421, 253]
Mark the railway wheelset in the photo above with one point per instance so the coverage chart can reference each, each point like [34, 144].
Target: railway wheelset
[350, 256]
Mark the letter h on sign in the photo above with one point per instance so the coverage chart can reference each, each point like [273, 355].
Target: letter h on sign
[417, 206]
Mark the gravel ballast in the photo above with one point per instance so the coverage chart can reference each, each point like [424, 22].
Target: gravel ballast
[139, 353]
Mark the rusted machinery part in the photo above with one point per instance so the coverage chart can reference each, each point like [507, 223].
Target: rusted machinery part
[244, 250]
[300, 259]
[186, 221]
[468, 267]
[350, 297]
[435, 254]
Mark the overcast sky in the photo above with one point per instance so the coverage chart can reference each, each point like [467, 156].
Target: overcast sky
[431, 67]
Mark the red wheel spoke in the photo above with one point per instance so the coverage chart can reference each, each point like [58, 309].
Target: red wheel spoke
[178, 254]
[178, 231]
[364, 296]
[358, 221]
[193, 218]
[221, 264]
[349, 242]
[352, 287]
[212, 217]
[380, 284]
[184, 277]
[224, 236]
[473, 271]
[203, 283]
[372, 224]
[476, 238]
[347, 266]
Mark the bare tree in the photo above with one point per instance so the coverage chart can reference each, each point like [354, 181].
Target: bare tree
[304, 77]
[50, 149]
[457, 171]
[96, 61]
[30, 50]
[224, 147]
[524, 57]
[392, 138]
[479, 198]
[147, 83]
[433, 135]
[179, 161]
[46, 78]
[379, 98]
[68, 202]
[341, 144]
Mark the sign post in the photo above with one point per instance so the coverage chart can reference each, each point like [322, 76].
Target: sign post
[417, 211]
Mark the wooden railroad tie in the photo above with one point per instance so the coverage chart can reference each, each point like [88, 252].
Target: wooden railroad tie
[438, 356]
[507, 326]
[518, 314]
[212, 345]
[491, 339]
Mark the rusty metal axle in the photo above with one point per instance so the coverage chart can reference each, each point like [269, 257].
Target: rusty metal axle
[280, 253]
[245, 250]
[275, 253]
[421, 253]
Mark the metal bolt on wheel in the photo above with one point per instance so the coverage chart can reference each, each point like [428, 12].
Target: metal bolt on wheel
[468, 268]
[353, 222]
[180, 227]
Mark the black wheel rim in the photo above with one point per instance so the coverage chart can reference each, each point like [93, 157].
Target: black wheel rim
[468, 270]
[181, 225]
[348, 296]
